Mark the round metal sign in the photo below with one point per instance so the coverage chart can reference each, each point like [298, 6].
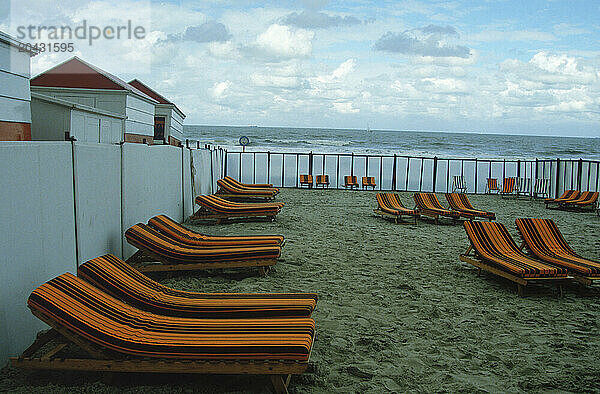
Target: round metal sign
[244, 141]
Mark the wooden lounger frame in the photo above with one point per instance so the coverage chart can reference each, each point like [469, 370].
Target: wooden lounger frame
[397, 218]
[244, 197]
[205, 214]
[586, 280]
[102, 361]
[522, 283]
[139, 259]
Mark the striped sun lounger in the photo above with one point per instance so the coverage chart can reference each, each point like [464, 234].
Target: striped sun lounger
[585, 200]
[460, 203]
[545, 241]
[368, 181]
[306, 180]
[118, 337]
[541, 187]
[508, 187]
[113, 276]
[173, 255]
[459, 184]
[496, 252]
[429, 205]
[567, 196]
[214, 207]
[491, 185]
[350, 181]
[171, 228]
[390, 205]
[232, 191]
[322, 180]
[251, 185]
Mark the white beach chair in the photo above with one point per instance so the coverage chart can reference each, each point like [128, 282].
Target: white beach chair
[459, 184]
[523, 186]
[541, 188]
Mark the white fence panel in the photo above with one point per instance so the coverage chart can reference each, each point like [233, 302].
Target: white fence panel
[152, 182]
[37, 237]
[98, 198]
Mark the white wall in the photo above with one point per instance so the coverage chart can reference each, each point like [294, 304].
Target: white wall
[152, 185]
[140, 116]
[14, 85]
[116, 186]
[49, 121]
[98, 199]
[201, 165]
[37, 236]
[188, 192]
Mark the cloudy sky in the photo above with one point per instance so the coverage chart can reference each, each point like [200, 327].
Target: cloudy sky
[499, 66]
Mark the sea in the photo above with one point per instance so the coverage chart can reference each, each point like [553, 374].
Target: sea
[400, 142]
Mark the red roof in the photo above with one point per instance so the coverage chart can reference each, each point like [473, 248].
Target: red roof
[146, 89]
[75, 73]
[150, 92]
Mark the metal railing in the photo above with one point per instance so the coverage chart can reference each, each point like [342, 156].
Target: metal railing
[409, 173]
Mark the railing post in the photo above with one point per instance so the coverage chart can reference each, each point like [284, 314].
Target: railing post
[225, 163]
[253, 167]
[282, 169]
[297, 167]
[579, 171]
[310, 163]
[421, 176]
[380, 172]
[519, 168]
[535, 173]
[269, 166]
[337, 172]
[557, 176]
[352, 165]
[240, 169]
[434, 180]
[394, 174]
[475, 187]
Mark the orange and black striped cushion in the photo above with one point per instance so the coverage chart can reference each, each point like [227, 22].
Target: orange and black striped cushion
[460, 202]
[428, 202]
[228, 187]
[492, 184]
[222, 206]
[508, 185]
[113, 276]
[493, 243]
[108, 322]
[142, 236]
[322, 179]
[546, 242]
[350, 180]
[368, 181]
[585, 198]
[391, 203]
[176, 231]
[306, 178]
[566, 196]
[251, 185]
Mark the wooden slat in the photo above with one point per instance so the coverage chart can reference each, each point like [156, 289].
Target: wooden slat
[238, 367]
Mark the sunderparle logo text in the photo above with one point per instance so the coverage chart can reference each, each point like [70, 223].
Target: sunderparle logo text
[83, 31]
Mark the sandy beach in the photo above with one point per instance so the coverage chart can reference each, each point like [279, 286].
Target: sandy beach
[398, 311]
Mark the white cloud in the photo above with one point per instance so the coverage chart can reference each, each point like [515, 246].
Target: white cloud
[345, 107]
[219, 88]
[280, 42]
[516, 35]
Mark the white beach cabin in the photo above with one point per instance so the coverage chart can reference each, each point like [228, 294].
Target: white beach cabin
[15, 112]
[168, 119]
[99, 102]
